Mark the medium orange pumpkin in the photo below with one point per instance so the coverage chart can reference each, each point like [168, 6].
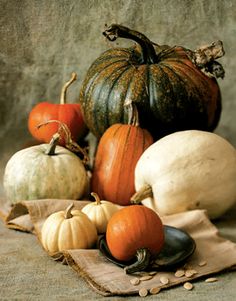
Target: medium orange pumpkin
[69, 114]
[118, 151]
[132, 231]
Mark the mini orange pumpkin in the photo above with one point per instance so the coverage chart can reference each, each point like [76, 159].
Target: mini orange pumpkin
[70, 114]
[118, 152]
[135, 231]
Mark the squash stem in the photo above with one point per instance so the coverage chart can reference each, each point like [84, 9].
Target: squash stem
[69, 143]
[97, 199]
[133, 118]
[143, 193]
[148, 54]
[68, 211]
[52, 145]
[143, 260]
[64, 88]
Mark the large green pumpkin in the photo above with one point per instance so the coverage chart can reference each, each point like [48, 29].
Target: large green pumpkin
[169, 89]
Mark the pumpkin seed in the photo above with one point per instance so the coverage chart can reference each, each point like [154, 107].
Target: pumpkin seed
[202, 263]
[143, 292]
[143, 274]
[188, 286]
[190, 273]
[153, 273]
[146, 277]
[179, 273]
[164, 280]
[135, 281]
[209, 280]
[155, 290]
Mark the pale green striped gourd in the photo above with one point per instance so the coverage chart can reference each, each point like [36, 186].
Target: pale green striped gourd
[36, 173]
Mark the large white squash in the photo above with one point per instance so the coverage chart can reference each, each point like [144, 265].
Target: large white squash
[44, 171]
[187, 170]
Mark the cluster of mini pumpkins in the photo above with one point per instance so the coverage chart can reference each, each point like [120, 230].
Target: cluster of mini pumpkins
[129, 231]
[153, 110]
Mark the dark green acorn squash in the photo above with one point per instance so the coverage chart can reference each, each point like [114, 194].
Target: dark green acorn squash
[174, 88]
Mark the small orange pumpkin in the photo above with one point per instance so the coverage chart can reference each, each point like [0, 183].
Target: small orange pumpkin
[67, 113]
[118, 151]
[132, 231]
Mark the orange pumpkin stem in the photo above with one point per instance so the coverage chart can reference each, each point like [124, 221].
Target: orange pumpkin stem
[143, 193]
[68, 211]
[143, 260]
[64, 88]
[133, 117]
[97, 199]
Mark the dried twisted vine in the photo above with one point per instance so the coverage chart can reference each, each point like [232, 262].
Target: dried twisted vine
[205, 59]
[64, 132]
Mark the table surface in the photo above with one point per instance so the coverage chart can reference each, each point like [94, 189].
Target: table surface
[28, 273]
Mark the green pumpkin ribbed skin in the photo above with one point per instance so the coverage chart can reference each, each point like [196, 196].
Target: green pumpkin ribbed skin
[170, 95]
[31, 174]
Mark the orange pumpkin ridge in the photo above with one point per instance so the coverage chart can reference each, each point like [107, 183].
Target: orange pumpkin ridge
[132, 228]
[118, 151]
[70, 114]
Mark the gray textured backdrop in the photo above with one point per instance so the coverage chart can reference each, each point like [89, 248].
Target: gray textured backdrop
[42, 42]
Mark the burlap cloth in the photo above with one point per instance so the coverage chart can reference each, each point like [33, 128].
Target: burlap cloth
[108, 279]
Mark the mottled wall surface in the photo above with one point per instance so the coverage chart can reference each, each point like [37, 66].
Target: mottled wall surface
[42, 42]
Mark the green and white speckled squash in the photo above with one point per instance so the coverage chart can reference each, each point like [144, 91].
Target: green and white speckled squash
[44, 171]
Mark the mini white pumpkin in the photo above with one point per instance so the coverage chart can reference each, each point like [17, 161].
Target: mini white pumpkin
[44, 171]
[187, 170]
[100, 212]
[69, 229]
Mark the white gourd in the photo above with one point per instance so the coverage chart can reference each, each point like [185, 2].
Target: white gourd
[44, 171]
[187, 170]
[100, 212]
[69, 229]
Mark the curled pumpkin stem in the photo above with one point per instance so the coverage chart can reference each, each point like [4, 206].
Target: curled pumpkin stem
[114, 31]
[64, 131]
[52, 145]
[143, 193]
[64, 88]
[68, 213]
[143, 260]
[97, 198]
